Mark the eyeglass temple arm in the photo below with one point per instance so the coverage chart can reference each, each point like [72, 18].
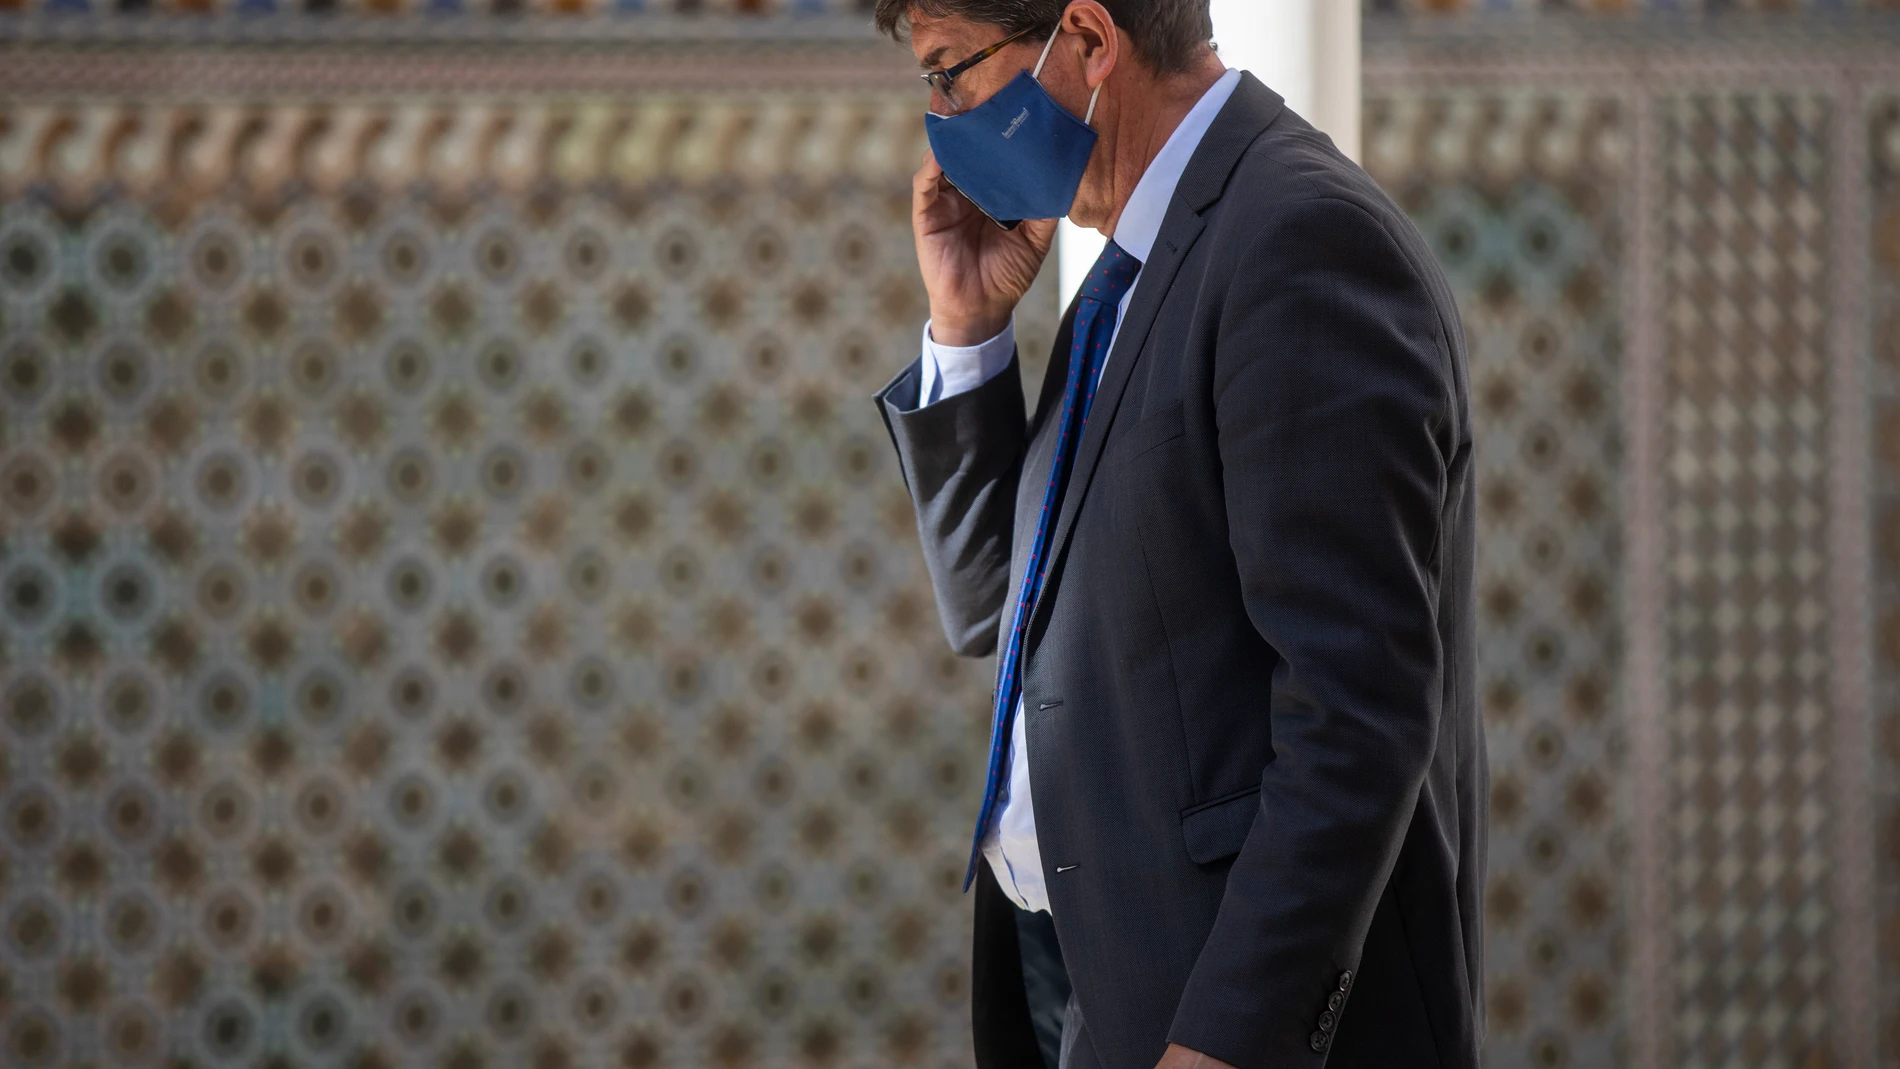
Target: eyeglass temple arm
[986, 53]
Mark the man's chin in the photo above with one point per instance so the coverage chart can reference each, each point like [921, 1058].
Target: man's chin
[1089, 216]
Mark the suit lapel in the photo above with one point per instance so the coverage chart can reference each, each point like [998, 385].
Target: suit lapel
[1249, 111]
[1171, 246]
[1038, 456]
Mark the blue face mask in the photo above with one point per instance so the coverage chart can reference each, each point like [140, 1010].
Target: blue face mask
[1018, 155]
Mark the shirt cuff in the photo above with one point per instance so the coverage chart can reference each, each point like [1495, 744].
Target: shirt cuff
[948, 370]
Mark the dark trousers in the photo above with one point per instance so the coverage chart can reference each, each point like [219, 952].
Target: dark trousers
[1019, 988]
[1045, 981]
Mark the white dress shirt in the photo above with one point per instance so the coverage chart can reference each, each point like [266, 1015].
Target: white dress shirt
[948, 370]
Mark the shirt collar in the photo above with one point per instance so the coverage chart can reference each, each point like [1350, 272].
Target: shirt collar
[1141, 217]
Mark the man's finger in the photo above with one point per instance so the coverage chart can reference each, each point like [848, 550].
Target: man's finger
[927, 172]
[924, 185]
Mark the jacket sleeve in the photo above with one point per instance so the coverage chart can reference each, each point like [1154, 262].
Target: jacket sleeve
[1336, 420]
[960, 458]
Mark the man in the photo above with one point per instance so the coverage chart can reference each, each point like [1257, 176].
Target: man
[1226, 567]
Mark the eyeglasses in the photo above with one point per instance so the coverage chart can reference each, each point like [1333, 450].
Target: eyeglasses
[941, 80]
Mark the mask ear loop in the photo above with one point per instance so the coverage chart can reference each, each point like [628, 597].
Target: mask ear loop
[1037, 75]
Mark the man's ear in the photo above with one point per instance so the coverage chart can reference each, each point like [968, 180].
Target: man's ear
[1098, 37]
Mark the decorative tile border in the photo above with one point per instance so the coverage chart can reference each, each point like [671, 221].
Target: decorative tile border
[1644, 688]
[73, 150]
[1850, 640]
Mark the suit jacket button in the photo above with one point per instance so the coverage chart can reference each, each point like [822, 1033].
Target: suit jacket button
[1335, 1000]
[1345, 980]
[1327, 1021]
[1318, 1041]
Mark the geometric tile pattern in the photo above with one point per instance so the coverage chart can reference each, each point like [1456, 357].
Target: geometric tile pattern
[1746, 209]
[1883, 142]
[470, 625]
[1612, 8]
[456, 608]
[1518, 196]
[622, 10]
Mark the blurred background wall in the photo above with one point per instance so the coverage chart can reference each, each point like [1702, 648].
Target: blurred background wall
[457, 608]
[1673, 239]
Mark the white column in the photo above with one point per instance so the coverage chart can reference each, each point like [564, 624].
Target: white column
[1305, 50]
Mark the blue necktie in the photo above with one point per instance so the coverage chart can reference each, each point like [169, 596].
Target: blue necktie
[1095, 310]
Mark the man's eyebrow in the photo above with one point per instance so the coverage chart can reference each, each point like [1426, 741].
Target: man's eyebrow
[929, 62]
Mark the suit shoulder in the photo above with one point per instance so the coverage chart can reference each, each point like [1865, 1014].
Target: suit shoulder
[1293, 170]
[1294, 202]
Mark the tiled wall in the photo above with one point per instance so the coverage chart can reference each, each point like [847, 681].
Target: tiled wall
[1520, 202]
[1730, 304]
[469, 617]
[456, 606]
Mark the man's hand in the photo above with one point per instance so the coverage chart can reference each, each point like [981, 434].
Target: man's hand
[974, 271]
[1179, 1057]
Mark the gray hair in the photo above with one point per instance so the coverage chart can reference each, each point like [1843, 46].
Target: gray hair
[1168, 34]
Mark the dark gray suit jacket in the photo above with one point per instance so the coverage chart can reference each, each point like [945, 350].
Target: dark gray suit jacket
[1256, 757]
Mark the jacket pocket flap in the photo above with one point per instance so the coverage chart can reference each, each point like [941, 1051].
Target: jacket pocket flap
[1213, 830]
[1155, 429]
